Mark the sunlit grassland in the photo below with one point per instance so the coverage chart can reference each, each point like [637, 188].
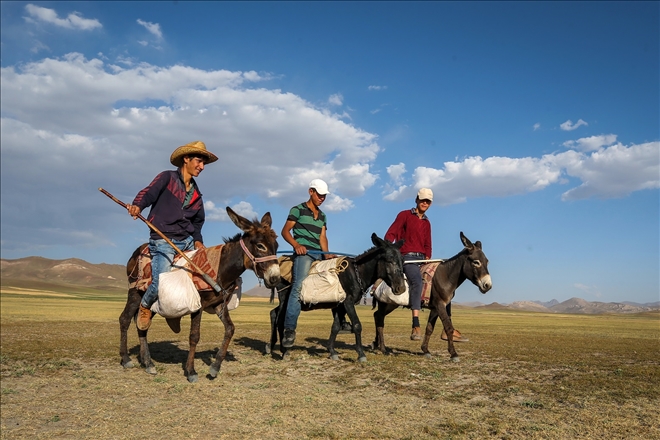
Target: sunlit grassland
[522, 375]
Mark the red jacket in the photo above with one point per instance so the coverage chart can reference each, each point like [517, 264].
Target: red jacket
[414, 230]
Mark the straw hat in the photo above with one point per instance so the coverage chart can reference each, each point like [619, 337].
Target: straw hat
[194, 148]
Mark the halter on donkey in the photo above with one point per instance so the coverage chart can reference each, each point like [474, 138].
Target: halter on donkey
[381, 261]
[255, 249]
[471, 263]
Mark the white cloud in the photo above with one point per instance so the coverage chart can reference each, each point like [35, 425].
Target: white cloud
[569, 126]
[218, 213]
[591, 143]
[396, 172]
[610, 172]
[336, 99]
[115, 126]
[73, 21]
[336, 203]
[377, 87]
[615, 171]
[537, 126]
[153, 28]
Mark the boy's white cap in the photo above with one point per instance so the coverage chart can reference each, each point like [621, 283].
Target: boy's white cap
[320, 186]
[425, 194]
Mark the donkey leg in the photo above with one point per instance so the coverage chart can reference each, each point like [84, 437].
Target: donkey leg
[383, 310]
[284, 301]
[132, 305]
[222, 352]
[195, 323]
[357, 329]
[145, 355]
[430, 325]
[449, 330]
[439, 310]
[273, 330]
[334, 330]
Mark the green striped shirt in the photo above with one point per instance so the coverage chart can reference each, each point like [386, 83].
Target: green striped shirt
[307, 230]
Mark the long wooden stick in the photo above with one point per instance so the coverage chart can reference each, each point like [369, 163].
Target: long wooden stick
[204, 275]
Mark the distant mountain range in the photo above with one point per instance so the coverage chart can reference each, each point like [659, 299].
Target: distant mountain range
[39, 273]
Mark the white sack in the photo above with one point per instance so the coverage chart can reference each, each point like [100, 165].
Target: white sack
[177, 295]
[384, 293]
[322, 284]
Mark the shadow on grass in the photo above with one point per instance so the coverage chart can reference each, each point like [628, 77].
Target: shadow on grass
[167, 352]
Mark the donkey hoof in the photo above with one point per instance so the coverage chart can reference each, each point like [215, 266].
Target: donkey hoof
[334, 357]
[428, 355]
[286, 356]
[268, 348]
[192, 378]
[128, 365]
[151, 370]
[455, 358]
[213, 372]
[362, 359]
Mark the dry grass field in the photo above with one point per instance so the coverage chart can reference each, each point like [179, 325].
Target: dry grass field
[522, 375]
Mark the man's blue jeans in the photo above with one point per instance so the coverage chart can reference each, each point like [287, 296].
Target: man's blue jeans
[301, 266]
[162, 255]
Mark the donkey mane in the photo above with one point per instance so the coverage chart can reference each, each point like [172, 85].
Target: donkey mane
[450, 262]
[367, 254]
[233, 239]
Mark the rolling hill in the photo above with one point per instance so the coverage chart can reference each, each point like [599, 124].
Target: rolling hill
[40, 273]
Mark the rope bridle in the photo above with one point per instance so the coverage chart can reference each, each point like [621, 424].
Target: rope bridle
[254, 259]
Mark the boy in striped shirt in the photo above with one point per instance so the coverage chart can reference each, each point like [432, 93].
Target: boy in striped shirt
[305, 229]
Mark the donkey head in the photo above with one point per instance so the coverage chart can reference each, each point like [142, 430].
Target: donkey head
[260, 246]
[390, 263]
[476, 265]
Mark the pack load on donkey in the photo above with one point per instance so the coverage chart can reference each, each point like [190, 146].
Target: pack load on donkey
[178, 290]
[380, 291]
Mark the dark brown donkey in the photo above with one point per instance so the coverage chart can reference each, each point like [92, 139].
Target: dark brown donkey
[471, 263]
[260, 241]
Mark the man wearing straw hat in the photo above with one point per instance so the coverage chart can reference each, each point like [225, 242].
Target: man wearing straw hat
[177, 211]
[414, 227]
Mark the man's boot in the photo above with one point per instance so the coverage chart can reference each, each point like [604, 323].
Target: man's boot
[416, 334]
[143, 318]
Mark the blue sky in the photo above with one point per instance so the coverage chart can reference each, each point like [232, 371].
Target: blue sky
[536, 124]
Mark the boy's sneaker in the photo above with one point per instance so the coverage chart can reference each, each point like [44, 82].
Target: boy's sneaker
[289, 338]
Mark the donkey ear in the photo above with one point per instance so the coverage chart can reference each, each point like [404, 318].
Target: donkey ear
[478, 244]
[466, 242]
[399, 244]
[243, 224]
[376, 240]
[266, 220]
